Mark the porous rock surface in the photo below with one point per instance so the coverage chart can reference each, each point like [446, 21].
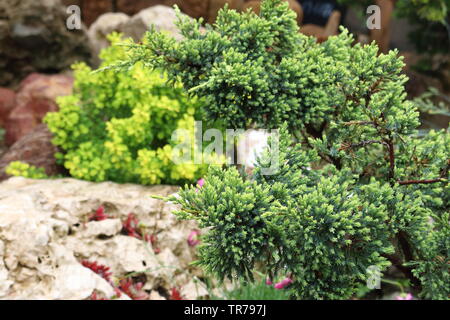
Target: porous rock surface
[162, 17]
[45, 234]
[35, 97]
[36, 149]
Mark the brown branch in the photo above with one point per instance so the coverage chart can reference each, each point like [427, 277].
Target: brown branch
[408, 182]
[391, 159]
[359, 123]
[324, 157]
[360, 144]
[397, 262]
[404, 244]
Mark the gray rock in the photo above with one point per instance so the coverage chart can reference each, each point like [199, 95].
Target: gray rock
[34, 38]
[162, 17]
[102, 27]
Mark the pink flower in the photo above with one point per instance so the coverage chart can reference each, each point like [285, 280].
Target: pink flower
[201, 182]
[269, 282]
[133, 290]
[101, 270]
[131, 226]
[283, 284]
[95, 296]
[175, 294]
[404, 296]
[152, 239]
[193, 239]
[99, 215]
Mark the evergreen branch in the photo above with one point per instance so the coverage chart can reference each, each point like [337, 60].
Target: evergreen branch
[359, 123]
[409, 182]
[361, 144]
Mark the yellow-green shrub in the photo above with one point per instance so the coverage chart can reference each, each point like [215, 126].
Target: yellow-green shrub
[117, 125]
[22, 169]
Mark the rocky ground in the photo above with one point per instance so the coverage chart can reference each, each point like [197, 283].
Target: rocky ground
[55, 243]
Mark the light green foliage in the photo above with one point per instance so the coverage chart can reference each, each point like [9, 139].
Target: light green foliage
[118, 126]
[358, 187]
[21, 169]
[325, 230]
[241, 217]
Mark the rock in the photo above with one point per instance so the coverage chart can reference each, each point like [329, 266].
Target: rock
[194, 290]
[35, 149]
[162, 17]
[108, 227]
[154, 295]
[7, 103]
[103, 26]
[5, 284]
[34, 38]
[206, 9]
[91, 10]
[72, 281]
[36, 96]
[132, 7]
[45, 235]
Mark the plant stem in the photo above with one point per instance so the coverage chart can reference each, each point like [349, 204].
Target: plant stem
[395, 283]
[408, 182]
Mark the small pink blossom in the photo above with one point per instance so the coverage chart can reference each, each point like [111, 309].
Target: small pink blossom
[175, 294]
[201, 182]
[403, 296]
[283, 284]
[99, 215]
[131, 226]
[193, 238]
[269, 282]
[134, 290]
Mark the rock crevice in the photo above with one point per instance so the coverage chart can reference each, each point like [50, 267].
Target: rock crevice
[46, 233]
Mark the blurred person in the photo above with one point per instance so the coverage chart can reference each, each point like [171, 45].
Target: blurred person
[321, 18]
[255, 5]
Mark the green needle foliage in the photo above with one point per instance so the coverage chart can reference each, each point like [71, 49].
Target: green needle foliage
[357, 187]
[252, 71]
